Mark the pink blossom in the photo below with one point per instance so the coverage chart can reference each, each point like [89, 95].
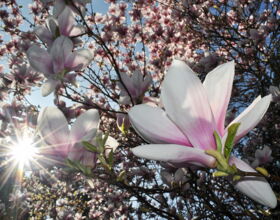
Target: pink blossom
[63, 25]
[53, 128]
[64, 142]
[59, 61]
[136, 85]
[192, 113]
[262, 156]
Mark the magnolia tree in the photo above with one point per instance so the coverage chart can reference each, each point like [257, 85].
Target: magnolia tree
[161, 109]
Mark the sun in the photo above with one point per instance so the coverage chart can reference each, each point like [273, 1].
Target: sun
[23, 151]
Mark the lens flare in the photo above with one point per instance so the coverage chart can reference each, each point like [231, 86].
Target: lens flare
[23, 151]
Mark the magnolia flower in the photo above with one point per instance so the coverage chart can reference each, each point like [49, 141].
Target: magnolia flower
[136, 85]
[53, 128]
[63, 25]
[59, 61]
[193, 111]
[262, 156]
[178, 178]
[64, 142]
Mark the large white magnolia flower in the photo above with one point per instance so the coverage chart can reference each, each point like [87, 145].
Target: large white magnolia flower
[182, 131]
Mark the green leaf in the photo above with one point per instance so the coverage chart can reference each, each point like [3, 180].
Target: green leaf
[100, 144]
[70, 163]
[77, 166]
[219, 174]
[87, 171]
[218, 142]
[232, 130]
[102, 160]
[91, 147]
[105, 139]
[121, 176]
[236, 178]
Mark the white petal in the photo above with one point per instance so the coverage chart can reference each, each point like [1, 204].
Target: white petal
[85, 126]
[79, 59]
[218, 85]
[66, 21]
[250, 117]
[76, 31]
[257, 188]
[186, 103]
[49, 86]
[128, 82]
[44, 34]
[154, 126]
[111, 144]
[175, 154]
[53, 128]
[60, 50]
[40, 60]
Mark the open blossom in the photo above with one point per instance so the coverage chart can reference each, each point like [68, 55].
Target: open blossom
[60, 60]
[64, 142]
[262, 156]
[136, 85]
[63, 25]
[193, 111]
[54, 130]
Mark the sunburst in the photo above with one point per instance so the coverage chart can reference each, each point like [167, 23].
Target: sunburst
[21, 153]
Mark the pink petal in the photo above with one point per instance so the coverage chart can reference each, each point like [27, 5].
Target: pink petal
[79, 59]
[85, 126]
[127, 80]
[175, 154]
[66, 21]
[250, 117]
[218, 85]
[44, 34]
[257, 188]
[53, 128]
[40, 60]
[79, 153]
[60, 50]
[186, 103]
[154, 126]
